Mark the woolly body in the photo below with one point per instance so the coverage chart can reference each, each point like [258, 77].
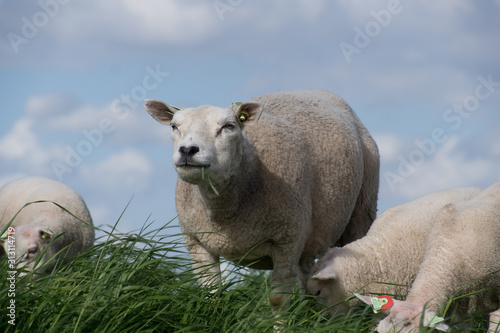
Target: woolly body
[302, 177]
[38, 223]
[391, 252]
[464, 245]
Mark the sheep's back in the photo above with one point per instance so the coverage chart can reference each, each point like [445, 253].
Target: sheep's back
[16, 194]
[312, 140]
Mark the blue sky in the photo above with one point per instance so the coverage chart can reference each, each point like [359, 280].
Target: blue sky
[423, 76]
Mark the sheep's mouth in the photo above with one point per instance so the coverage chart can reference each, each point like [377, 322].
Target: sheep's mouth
[193, 173]
[190, 165]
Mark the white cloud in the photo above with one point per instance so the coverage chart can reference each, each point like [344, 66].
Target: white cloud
[84, 117]
[131, 126]
[495, 147]
[172, 21]
[447, 12]
[54, 141]
[60, 114]
[448, 167]
[111, 28]
[127, 170]
[22, 144]
[311, 9]
[389, 146]
[149, 21]
[50, 104]
[4, 179]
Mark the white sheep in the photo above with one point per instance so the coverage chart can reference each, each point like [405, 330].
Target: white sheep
[42, 225]
[391, 253]
[273, 193]
[462, 255]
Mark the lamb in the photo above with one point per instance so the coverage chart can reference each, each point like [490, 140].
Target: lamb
[271, 183]
[391, 252]
[42, 225]
[462, 256]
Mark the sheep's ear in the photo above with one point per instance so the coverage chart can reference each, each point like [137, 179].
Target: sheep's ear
[46, 234]
[160, 111]
[364, 299]
[325, 274]
[248, 112]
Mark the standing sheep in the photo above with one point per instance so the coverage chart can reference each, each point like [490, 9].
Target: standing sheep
[38, 225]
[273, 193]
[462, 256]
[391, 252]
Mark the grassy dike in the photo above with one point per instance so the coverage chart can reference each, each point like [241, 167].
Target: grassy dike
[143, 282]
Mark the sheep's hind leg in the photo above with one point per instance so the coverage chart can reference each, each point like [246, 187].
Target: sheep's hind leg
[362, 217]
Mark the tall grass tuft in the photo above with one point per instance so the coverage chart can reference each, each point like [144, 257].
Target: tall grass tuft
[143, 282]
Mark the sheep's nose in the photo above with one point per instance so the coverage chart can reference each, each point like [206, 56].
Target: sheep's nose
[188, 151]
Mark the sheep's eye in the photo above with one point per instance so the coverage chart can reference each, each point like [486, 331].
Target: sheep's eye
[226, 127]
[174, 127]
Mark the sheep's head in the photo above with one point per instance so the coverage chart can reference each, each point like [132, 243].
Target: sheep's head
[30, 242]
[326, 286]
[207, 139]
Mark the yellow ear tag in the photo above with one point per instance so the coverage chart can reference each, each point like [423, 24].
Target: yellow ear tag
[244, 115]
[45, 235]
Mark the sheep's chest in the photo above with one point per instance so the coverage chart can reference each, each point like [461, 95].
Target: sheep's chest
[238, 240]
[236, 243]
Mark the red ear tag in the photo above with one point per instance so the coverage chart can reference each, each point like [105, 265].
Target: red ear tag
[389, 303]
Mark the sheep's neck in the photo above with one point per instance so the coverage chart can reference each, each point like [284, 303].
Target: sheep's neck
[373, 265]
[365, 263]
[232, 195]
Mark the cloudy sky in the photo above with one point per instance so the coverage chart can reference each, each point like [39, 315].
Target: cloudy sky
[423, 76]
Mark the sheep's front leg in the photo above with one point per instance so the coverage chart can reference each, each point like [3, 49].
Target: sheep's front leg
[284, 277]
[205, 264]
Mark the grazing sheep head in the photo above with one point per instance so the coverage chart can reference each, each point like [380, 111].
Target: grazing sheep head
[325, 284]
[30, 242]
[207, 139]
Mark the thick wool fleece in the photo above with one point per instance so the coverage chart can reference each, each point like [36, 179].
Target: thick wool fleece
[307, 177]
[390, 253]
[462, 256]
[46, 215]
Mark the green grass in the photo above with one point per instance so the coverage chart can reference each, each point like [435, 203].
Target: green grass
[143, 282]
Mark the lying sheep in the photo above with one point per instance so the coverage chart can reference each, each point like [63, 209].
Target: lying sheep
[273, 193]
[36, 226]
[462, 256]
[391, 252]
